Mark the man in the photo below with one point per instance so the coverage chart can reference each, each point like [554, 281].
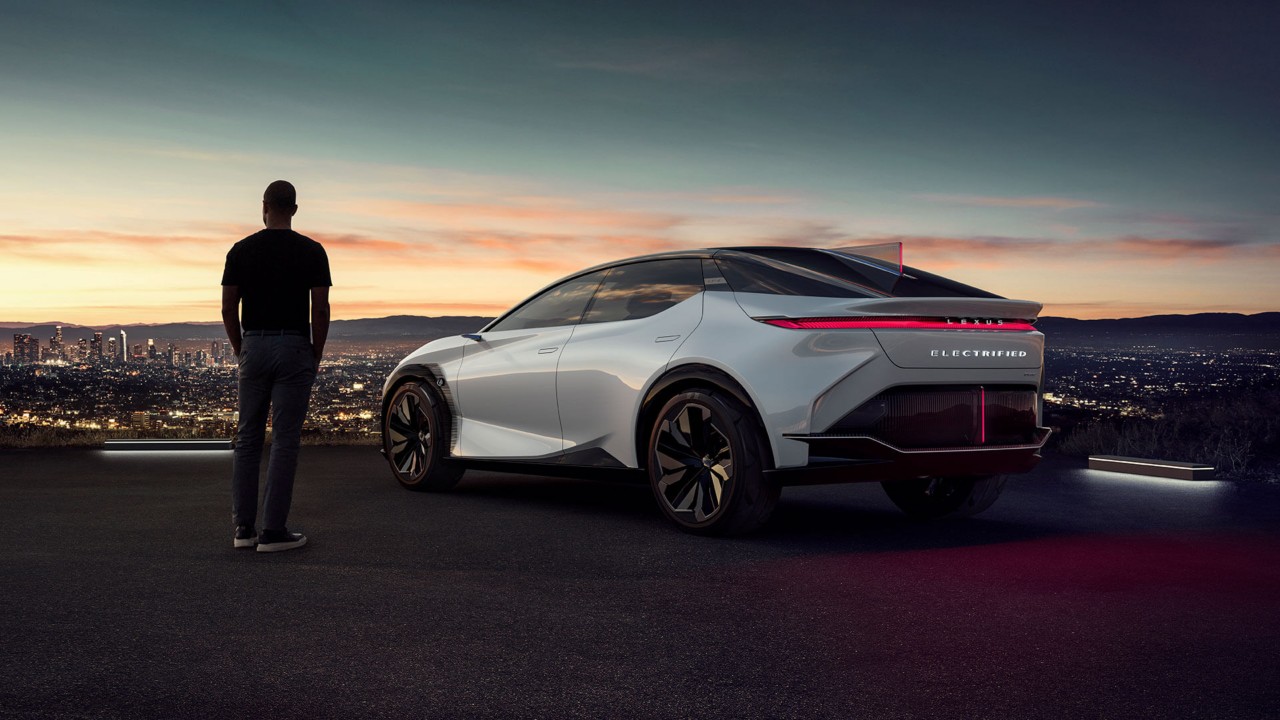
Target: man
[274, 275]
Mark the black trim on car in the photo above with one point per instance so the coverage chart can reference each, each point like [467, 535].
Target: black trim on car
[555, 469]
[858, 458]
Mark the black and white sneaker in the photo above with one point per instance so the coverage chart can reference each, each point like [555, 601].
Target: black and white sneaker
[277, 540]
[246, 536]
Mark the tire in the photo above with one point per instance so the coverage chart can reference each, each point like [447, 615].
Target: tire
[705, 465]
[935, 498]
[415, 439]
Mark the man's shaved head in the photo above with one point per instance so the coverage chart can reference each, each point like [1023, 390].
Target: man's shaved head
[281, 195]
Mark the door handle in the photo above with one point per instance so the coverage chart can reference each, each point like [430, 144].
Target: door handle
[547, 351]
[666, 338]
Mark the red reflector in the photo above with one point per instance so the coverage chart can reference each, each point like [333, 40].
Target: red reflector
[899, 323]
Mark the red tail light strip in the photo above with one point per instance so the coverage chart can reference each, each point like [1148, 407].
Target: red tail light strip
[982, 403]
[898, 323]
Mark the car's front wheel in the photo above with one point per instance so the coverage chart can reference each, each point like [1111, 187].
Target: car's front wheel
[706, 465]
[415, 438]
[932, 498]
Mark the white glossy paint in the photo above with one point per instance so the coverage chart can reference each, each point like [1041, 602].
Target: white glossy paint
[536, 393]
[605, 370]
[783, 370]
[478, 439]
[507, 384]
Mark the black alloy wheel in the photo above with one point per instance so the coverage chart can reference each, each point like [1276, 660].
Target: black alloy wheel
[932, 498]
[705, 466]
[415, 438]
[696, 462]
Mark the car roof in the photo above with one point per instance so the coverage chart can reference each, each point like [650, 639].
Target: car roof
[677, 254]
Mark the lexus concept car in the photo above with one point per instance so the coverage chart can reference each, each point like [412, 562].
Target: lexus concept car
[722, 375]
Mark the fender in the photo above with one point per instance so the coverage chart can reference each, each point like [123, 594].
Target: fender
[431, 374]
[690, 375]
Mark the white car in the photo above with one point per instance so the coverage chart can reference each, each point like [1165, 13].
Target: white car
[722, 375]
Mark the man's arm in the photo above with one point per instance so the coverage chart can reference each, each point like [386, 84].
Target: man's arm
[319, 320]
[231, 315]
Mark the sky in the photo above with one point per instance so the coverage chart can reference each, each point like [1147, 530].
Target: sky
[1106, 159]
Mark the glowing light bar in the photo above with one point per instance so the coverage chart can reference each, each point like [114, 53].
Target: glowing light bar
[166, 445]
[982, 403]
[897, 323]
[1152, 468]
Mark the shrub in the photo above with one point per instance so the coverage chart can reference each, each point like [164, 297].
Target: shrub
[1240, 437]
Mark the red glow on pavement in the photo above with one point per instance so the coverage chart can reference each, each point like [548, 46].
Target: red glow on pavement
[1181, 569]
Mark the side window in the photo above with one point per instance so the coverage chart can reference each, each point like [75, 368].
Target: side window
[644, 289]
[561, 305]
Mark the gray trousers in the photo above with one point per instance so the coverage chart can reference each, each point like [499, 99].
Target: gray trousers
[276, 373]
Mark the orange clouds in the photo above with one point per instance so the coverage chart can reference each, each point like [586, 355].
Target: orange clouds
[107, 248]
[998, 251]
[1051, 203]
[1179, 248]
[479, 257]
[381, 308]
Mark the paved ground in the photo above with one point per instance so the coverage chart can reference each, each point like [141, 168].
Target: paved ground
[1078, 594]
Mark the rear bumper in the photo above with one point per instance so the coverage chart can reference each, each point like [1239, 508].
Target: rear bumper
[858, 458]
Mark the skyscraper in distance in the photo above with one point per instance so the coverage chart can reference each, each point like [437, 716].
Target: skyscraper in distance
[124, 346]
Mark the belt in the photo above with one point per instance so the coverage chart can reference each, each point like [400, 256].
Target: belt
[249, 333]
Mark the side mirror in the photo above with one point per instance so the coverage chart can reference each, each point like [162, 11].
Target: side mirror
[472, 336]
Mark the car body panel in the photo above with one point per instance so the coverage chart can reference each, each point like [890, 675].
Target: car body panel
[506, 394]
[605, 370]
[759, 357]
[962, 349]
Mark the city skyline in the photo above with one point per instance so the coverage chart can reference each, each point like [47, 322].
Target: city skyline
[27, 349]
[1108, 161]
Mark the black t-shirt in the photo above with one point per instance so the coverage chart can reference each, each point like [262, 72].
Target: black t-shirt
[275, 271]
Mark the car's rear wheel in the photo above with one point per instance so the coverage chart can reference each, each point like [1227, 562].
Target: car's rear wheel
[415, 438]
[932, 498]
[705, 465]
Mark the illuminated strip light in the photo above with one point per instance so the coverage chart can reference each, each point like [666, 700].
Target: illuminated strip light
[1156, 468]
[982, 403]
[1144, 463]
[191, 444]
[893, 323]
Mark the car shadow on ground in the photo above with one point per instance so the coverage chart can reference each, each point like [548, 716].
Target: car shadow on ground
[804, 525]
[801, 523]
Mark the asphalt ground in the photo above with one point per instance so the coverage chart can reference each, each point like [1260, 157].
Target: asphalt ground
[1079, 594]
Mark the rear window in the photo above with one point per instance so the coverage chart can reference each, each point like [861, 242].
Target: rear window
[748, 275]
[804, 271]
[918, 283]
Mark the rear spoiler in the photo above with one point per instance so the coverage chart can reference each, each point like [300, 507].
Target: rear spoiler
[881, 264]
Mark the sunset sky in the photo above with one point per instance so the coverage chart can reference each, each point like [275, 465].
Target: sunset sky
[1107, 159]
